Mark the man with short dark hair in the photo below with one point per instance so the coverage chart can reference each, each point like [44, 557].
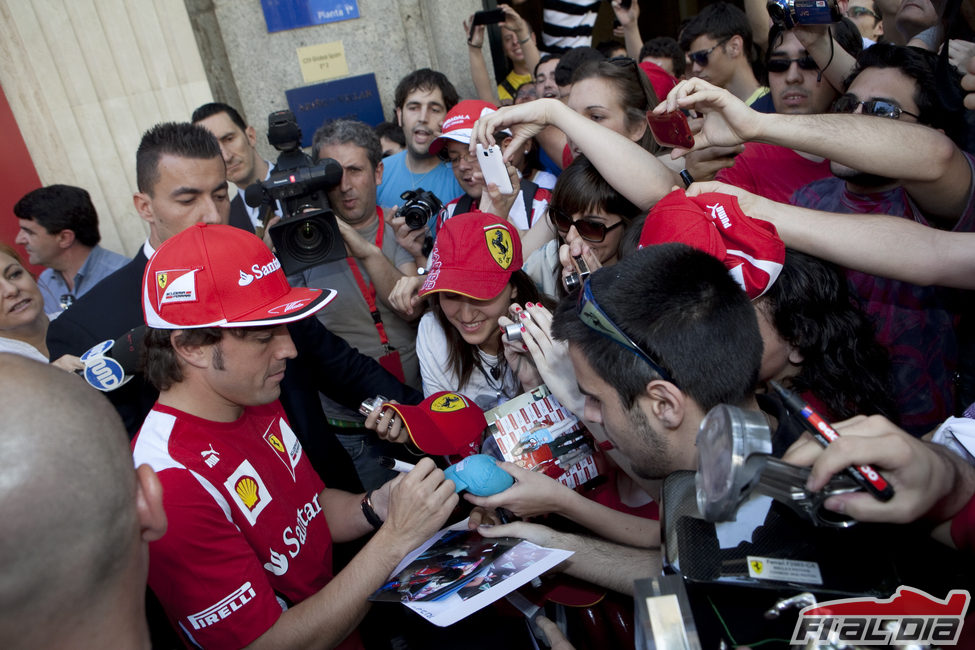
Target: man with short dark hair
[697, 344]
[78, 517]
[238, 144]
[238, 566]
[422, 98]
[59, 230]
[718, 42]
[665, 52]
[545, 85]
[180, 170]
[866, 15]
[796, 88]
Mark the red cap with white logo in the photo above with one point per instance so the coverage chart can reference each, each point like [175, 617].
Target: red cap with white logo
[714, 223]
[220, 276]
[459, 122]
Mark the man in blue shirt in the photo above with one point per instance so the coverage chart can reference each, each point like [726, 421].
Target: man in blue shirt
[59, 230]
[422, 98]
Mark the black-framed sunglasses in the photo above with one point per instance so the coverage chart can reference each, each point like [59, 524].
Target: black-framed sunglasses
[782, 65]
[856, 12]
[591, 231]
[849, 103]
[700, 57]
[596, 319]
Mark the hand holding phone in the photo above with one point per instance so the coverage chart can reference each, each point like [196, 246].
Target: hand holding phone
[492, 17]
[493, 168]
[671, 129]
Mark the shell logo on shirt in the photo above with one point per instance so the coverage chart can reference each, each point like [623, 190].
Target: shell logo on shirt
[247, 490]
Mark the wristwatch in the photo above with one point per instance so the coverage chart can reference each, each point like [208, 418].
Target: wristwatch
[369, 511]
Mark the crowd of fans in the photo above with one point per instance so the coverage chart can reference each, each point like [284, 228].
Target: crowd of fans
[816, 234]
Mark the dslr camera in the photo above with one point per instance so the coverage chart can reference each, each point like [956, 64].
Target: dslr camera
[307, 234]
[421, 205]
[789, 13]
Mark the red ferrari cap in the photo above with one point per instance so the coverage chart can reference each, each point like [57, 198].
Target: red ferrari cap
[445, 423]
[474, 255]
[220, 276]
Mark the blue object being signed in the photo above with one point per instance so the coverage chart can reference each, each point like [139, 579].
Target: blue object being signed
[480, 475]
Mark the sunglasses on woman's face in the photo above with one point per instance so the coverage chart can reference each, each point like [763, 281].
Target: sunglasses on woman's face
[782, 65]
[591, 231]
[849, 103]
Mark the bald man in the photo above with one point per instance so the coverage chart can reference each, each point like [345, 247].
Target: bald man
[76, 517]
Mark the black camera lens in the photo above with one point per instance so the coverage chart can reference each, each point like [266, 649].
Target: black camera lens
[421, 206]
[307, 241]
[308, 236]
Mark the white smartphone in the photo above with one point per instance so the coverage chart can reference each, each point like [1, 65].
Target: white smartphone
[492, 167]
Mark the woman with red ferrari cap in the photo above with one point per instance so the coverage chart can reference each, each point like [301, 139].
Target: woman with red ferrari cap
[475, 277]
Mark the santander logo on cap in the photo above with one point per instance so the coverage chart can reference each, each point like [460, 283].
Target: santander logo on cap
[258, 271]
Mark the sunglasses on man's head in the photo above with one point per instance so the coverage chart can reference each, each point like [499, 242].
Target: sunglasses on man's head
[856, 12]
[591, 231]
[849, 103]
[700, 57]
[782, 65]
[593, 316]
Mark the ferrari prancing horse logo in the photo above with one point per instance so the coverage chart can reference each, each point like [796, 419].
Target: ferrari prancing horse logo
[499, 244]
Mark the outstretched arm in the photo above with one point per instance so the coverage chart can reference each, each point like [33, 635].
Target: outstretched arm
[609, 565]
[630, 22]
[633, 171]
[479, 71]
[879, 244]
[937, 174]
[534, 493]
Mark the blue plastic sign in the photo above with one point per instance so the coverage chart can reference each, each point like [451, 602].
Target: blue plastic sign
[290, 14]
[104, 373]
[355, 98]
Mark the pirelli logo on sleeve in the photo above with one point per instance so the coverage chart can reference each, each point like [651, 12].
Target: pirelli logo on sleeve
[224, 608]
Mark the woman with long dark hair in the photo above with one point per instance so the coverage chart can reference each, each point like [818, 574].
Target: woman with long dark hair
[586, 211]
[474, 279]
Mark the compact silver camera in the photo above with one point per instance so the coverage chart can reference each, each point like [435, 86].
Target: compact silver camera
[371, 404]
[575, 279]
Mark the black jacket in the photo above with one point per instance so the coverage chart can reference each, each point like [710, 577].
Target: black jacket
[325, 363]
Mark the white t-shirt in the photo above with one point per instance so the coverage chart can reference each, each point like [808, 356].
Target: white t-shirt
[16, 346]
[482, 388]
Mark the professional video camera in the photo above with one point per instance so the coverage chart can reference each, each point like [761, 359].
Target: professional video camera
[307, 234]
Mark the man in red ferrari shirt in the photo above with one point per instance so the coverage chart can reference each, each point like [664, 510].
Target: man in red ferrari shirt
[247, 557]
